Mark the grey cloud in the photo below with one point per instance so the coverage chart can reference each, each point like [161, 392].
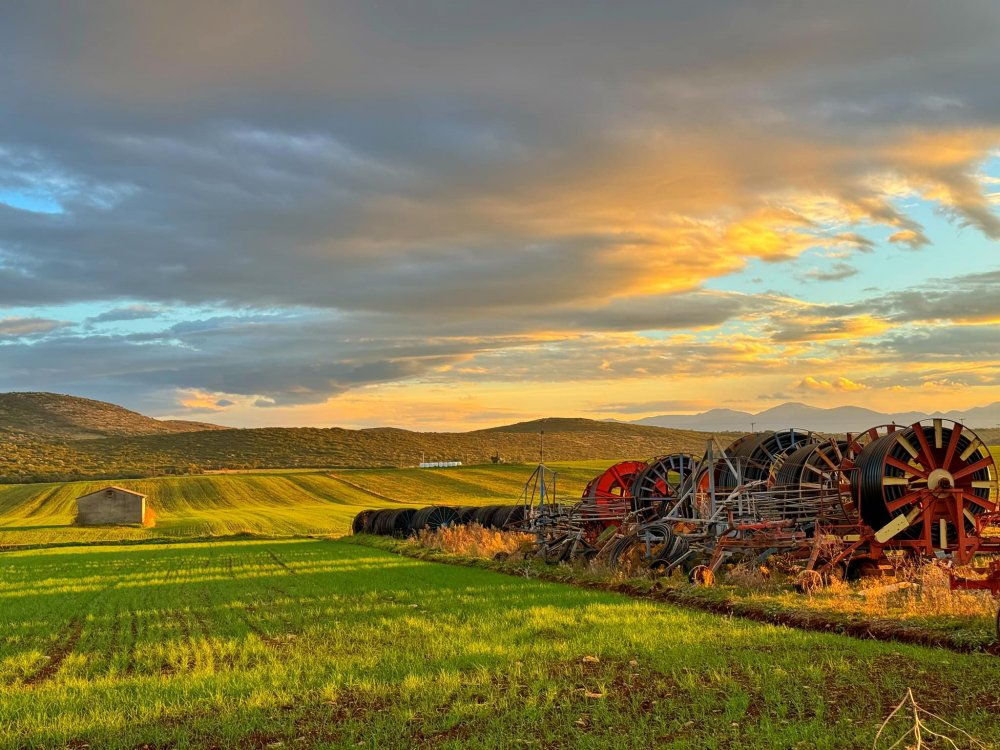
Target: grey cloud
[130, 312]
[836, 272]
[789, 330]
[967, 298]
[436, 182]
[974, 343]
[117, 367]
[647, 407]
[971, 297]
[316, 355]
[266, 168]
[12, 328]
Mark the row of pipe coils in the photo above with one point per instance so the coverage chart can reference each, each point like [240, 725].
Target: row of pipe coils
[403, 522]
[937, 474]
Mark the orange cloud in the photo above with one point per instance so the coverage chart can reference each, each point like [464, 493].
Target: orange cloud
[838, 384]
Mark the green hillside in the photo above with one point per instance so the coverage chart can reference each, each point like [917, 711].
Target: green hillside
[267, 503]
[53, 415]
[26, 458]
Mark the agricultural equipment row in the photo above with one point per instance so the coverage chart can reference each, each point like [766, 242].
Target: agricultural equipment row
[840, 506]
[832, 506]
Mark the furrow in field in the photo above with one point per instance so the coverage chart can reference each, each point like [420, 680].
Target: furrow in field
[365, 647]
[65, 645]
[367, 490]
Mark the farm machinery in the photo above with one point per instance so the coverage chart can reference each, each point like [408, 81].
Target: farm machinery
[838, 506]
[832, 507]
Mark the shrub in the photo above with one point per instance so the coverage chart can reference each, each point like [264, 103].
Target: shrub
[473, 541]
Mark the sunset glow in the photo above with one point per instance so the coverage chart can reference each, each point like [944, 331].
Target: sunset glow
[300, 215]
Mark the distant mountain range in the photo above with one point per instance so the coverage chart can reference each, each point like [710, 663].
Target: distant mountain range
[837, 419]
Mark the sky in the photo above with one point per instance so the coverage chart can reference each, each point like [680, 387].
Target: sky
[442, 215]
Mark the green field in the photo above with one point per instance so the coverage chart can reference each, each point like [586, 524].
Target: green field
[268, 503]
[313, 643]
[281, 503]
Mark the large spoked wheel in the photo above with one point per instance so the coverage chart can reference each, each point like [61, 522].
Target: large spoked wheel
[702, 575]
[611, 492]
[759, 456]
[358, 524]
[661, 479]
[810, 477]
[935, 473]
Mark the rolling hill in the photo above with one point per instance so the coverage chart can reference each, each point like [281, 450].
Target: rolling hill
[53, 415]
[45, 437]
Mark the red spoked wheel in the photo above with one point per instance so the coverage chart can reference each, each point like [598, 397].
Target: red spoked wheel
[611, 492]
[932, 479]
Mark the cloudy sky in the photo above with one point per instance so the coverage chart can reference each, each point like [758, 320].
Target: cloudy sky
[451, 215]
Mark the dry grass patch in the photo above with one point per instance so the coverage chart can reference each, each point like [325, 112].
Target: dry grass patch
[474, 540]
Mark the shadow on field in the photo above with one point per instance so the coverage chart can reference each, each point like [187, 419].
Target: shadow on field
[246, 644]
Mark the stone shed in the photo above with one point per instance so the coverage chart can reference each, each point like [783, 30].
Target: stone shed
[111, 505]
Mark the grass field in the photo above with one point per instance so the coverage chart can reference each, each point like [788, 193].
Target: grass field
[315, 643]
[278, 503]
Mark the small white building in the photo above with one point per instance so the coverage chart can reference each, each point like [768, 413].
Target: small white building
[112, 505]
[439, 464]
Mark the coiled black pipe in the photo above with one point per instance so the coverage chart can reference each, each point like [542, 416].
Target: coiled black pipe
[755, 456]
[433, 518]
[873, 495]
[358, 524]
[869, 492]
[401, 520]
[406, 521]
[739, 454]
[790, 473]
[484, 515]
[661, 479]
[508, 516]
[372, 521]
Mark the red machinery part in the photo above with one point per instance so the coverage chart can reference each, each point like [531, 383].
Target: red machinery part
[611, 491]
[922, 487]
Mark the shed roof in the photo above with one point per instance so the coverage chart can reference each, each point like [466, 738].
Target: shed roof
[113, 487]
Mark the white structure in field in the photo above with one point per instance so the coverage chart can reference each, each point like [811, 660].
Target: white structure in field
[112, 505]
[439, 464]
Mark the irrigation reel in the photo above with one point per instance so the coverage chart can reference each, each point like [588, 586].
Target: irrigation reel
[830, 506]
[840, 506]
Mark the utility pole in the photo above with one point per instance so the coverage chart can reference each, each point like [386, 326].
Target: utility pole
[541, 445]
[752, 425]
